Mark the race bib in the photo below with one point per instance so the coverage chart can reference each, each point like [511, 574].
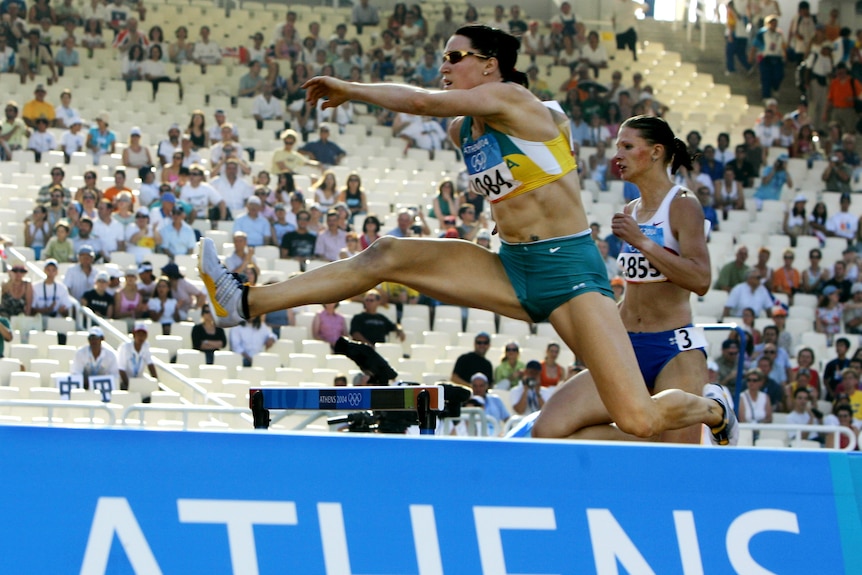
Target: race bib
[488, 172]
[689, 338]
[634, 266]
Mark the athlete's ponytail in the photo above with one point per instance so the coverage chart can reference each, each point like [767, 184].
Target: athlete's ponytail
[517, 77]
[680, 156]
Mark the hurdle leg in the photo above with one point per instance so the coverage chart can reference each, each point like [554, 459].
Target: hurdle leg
[427, 417]
[259, 412]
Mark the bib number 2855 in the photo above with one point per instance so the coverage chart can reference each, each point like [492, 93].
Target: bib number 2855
[636, 266]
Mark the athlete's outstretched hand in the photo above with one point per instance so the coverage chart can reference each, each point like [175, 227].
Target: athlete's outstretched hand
[627, 229]
[333, 90]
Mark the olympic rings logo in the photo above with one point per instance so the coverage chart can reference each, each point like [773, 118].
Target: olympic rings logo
[354, 399]
[478, 161]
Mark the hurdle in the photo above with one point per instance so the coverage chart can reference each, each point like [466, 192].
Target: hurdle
[425, 400]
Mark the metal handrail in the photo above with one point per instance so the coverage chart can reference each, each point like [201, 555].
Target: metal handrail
[790, 427]
[92, 406]
[311, 418]
[185, 410]
[479, 423]
[85, 316]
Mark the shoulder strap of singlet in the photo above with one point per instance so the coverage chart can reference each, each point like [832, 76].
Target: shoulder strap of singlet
[466, 128]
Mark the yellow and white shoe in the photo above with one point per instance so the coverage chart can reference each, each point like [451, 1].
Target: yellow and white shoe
[223, 287]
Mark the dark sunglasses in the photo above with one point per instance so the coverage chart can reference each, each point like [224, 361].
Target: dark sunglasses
[19, 270]
[512, 349]
[455, 56]
[196, 174]
[482, 342]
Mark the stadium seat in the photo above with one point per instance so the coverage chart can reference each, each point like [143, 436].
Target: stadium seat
[172, 343]
[192, 358]
[229, 359]
[46, 368]
[24, 353]
[8, 365]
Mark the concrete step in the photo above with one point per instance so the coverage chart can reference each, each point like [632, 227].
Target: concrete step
[711, 60]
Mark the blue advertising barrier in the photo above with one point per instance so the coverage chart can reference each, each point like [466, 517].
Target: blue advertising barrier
[136, 501]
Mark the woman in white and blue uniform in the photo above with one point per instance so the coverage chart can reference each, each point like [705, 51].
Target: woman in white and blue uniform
[664, 259]
[518, 155]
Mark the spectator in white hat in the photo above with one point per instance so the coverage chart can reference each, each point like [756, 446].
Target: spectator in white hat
[135, 155]
[133, 356]
[128, 301]
[242, 256]
[146, 280]
[494, 406]
[98, 299]
[93, 359]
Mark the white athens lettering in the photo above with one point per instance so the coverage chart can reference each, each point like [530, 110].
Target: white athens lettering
[476, 146]
[114, 515]
[614, 551]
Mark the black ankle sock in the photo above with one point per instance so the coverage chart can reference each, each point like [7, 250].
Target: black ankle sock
[244, 310]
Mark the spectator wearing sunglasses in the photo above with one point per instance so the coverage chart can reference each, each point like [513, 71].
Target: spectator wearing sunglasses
[472, 362]
[206, 202]
[16, 294]
[45, 192]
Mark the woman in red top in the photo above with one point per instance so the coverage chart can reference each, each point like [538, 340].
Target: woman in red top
[805, 360]
[787, 279]
[552, 372]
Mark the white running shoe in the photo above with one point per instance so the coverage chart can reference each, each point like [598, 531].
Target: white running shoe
[727, 432]
[223, 287]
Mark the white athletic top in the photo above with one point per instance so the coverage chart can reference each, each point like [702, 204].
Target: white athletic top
[635, 267]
